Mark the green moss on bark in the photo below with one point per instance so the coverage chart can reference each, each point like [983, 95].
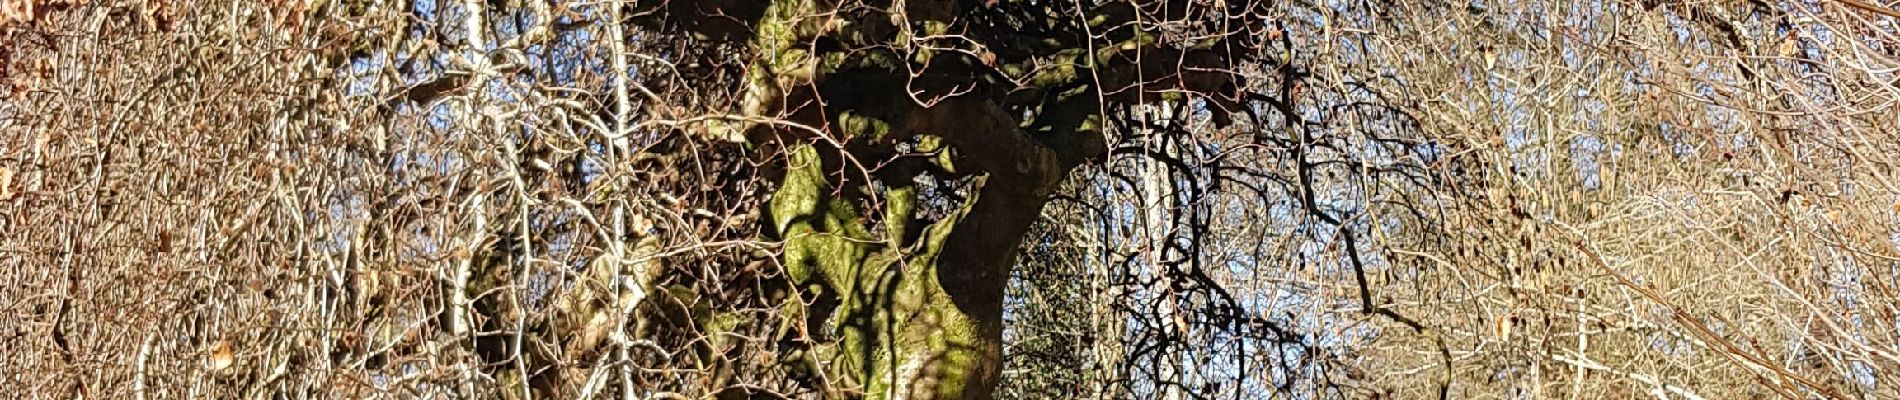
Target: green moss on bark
[911, 316]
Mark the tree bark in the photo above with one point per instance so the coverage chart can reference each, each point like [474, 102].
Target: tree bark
[920, 320]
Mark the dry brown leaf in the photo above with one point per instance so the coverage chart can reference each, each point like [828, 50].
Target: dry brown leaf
[221, 357]
[1490, 58]
[6, 184]
[1502, 329]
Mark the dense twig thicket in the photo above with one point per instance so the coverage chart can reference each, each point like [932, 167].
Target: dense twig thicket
[949, 199]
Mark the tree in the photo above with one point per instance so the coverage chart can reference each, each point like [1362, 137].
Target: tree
[1009, 96]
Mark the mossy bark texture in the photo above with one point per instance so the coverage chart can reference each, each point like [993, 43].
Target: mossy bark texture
[912, 306]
